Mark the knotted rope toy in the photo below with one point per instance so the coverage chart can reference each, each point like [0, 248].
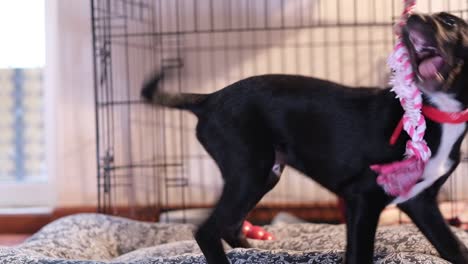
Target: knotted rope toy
[397, 178]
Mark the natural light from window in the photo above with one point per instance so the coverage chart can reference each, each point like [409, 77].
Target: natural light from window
[22, 28]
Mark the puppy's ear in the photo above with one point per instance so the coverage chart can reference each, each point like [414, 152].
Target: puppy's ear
[463, 36]
[464, 44]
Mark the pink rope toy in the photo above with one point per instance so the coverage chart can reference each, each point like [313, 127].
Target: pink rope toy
[399, 177]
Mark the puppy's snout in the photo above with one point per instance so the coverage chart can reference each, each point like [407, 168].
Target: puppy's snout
[421, 33]
[421, 23]
[418, 41]
[418, 19]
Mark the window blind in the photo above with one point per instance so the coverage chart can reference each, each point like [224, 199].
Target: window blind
[22, 125]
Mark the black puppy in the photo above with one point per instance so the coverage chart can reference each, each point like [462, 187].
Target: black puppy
[332, 133]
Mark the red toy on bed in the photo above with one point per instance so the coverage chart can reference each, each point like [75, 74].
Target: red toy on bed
[255, 232]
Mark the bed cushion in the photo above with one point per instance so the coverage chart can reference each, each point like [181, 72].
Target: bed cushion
[96, 238]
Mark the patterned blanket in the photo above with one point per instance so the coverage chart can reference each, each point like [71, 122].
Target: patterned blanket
[95, 238]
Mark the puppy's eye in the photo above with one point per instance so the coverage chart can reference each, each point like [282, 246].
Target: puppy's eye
[449, 22]
[447, 19]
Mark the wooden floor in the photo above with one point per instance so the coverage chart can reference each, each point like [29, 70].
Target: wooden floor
[12, 240]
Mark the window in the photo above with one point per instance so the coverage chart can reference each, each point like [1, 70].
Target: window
[23, 170]
[21, 125]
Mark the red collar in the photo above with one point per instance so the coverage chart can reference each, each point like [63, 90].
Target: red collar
[435, 115]
[445, 117]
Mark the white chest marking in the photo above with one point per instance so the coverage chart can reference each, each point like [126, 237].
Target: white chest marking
[440, 163]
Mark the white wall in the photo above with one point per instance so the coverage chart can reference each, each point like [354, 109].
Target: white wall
[71, 79]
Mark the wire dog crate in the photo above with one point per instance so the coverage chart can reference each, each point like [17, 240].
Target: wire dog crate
[148, 158]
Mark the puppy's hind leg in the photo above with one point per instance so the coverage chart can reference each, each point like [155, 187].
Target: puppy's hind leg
[246, 169]
[233, 234]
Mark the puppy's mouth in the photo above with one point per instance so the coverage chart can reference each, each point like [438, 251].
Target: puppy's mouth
[428, 61]
[430, 64]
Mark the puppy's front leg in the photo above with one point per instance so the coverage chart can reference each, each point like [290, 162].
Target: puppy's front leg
[362, 215]
[425, 213]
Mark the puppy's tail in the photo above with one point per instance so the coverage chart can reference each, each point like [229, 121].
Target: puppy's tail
[186, 101]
